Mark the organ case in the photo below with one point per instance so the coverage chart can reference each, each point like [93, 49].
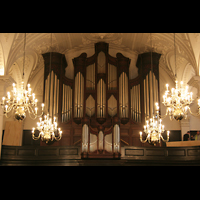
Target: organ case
[101, 109]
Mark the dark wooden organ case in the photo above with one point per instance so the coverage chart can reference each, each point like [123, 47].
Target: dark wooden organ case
[101, 96]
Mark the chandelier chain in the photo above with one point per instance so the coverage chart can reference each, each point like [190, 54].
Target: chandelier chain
[24, 55]
[175, 56]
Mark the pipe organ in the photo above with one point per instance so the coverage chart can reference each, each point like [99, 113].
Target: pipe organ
[101, 108]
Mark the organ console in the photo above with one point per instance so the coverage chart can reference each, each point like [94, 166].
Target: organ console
[101, 108]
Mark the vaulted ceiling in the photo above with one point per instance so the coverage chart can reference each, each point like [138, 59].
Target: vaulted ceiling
[73, 44]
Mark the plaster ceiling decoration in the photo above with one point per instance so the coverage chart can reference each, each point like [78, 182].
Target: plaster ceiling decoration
[73, 44]
[115, 38]
[160, 44]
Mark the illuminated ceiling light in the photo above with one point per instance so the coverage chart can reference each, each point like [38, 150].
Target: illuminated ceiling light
[48, 130]
[154, 129]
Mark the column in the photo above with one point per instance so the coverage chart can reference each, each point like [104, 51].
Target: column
[5, 81]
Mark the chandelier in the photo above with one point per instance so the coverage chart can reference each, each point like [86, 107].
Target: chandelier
[177, 101]
[20, 101]
[154, 129]
[48, 131]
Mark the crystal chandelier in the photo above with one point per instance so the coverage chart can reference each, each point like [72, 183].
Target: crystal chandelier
[48, 131]
[154, 129]
[179, 99]
[20, 101]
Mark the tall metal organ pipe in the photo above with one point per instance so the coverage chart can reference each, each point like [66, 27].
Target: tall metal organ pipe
[78, 95]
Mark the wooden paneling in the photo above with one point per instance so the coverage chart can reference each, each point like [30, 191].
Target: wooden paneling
[40, 153]
[168, 154]
[49, 155]
[134, 152]
[13, 133]
[28, 140]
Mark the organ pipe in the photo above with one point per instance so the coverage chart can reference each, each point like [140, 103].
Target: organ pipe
[85, 132]
[112, 77]
[66, 103]
[150, 98]
[135, 103]
[52, 91]
[90, 77]
[150, 94]
[116, 131]
[101, 98]
[78, 95]
[123, 95]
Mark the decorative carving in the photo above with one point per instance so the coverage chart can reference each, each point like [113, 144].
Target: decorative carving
[115, 38]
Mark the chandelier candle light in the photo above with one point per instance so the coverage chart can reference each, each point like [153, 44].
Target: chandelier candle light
[20, 101]
[154, 129]
[177, 101]
[47, 129]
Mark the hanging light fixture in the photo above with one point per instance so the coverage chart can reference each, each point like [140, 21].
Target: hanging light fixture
[179, 99]
[153, 127]
[21, 101]
[48, 130]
